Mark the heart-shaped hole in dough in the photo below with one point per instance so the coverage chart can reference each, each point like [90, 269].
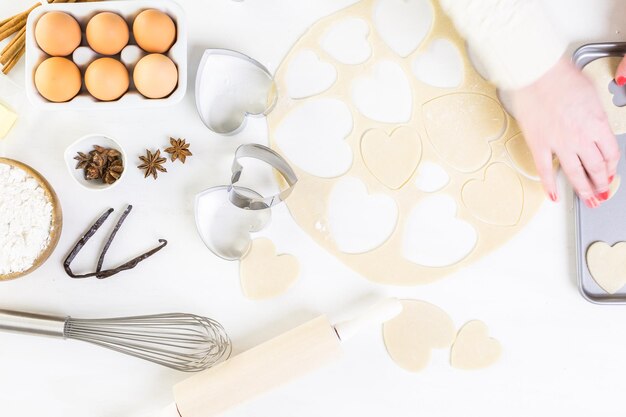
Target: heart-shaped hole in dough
[384, 95]
[431, 177]
[441, 65]
[411, 335]
[473, 348]
[307, 75]
[264, 274]
[359, 222]
[434, 236]
[347, 42]
[313, 136]
[403, 24]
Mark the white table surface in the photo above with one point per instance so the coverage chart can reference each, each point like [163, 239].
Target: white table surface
[562, 355]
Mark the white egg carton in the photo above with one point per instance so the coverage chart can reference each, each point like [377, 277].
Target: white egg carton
[84, 55]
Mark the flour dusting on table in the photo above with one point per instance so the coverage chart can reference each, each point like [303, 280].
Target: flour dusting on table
[25, 220]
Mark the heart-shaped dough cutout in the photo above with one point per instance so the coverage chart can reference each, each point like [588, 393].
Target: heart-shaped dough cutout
[412, 334]
[359, 222]
[503, 183]
[403, 24]
[473, 348]
[346, 41]
[460, 127]
[313, 136]
[392, 159]
[231, 87]
[434, 236]
[263, 274]
[385, 96]
[307, 75]
[440, 65]
[607, 265]
[602, 72]
[431, 177]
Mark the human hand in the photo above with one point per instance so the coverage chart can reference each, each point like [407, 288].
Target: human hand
[561, 114]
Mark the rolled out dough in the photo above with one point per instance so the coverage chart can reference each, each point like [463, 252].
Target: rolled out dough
[463, 130]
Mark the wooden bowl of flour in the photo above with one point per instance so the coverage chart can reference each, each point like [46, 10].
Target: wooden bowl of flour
[57, 219]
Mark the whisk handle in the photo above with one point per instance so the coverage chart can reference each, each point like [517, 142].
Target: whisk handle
[36, 324]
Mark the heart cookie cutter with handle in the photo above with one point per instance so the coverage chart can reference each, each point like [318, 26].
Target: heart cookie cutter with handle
[227, 214]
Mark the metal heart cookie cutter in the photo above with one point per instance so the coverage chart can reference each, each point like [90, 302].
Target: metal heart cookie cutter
[227, 214]
[231, 88]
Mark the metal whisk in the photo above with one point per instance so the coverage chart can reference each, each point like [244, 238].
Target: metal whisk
[185, 342]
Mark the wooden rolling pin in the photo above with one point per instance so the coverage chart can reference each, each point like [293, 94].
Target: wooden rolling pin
[271, 364]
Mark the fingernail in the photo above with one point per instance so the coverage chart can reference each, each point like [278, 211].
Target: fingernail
[592, 202]
[611, 178]
[603, 196]
[621, 80]
[552, 196]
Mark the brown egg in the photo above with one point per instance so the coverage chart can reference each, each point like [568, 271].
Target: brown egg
[155, 76]
[57, 33]
[107, 33]
[106, 79]
[154, 31]
[57, 79]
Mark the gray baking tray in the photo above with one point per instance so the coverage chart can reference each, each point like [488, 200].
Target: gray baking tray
[606, 223]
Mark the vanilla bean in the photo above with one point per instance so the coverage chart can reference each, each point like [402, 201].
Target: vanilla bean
[81, 242]
[133, 262]
[109, 272]
[112, 236]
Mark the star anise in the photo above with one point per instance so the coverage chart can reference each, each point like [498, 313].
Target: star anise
[83, 160]
[152, 163]
[101, 163]
[178, 150]
[113, 171]
[93, 172]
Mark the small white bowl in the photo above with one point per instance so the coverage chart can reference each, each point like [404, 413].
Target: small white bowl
[85, 145]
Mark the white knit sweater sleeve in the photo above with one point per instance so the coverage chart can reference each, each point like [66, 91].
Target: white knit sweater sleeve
[514, 39]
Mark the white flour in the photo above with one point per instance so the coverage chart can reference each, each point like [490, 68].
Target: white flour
[25, 220]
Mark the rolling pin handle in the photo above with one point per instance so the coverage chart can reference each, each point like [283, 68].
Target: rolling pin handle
[376, 315]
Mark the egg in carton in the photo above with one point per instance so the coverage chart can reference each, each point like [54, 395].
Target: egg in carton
[132, 58]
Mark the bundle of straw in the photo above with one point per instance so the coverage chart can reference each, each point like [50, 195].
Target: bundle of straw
[14, 50]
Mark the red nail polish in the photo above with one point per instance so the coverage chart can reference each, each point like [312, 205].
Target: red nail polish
[552, 196]
[621, 80]
[603, 196]
[591, 202]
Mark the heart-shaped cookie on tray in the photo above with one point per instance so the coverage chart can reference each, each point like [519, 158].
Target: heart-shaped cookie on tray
[607, 265]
